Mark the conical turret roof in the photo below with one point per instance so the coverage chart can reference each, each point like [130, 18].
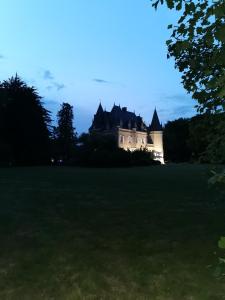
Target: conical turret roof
[155, 125]
[100, 109]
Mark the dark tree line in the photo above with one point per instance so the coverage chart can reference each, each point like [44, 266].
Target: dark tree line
[24, 124]
[26, 134]
[196, 139]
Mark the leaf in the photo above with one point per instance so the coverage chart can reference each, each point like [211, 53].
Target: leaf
[179, 6]
[170, 4]
[219, 11]
[168, 42]
[222, 260]
[170, 26]
[181, 19]
[221, 243]
[220, 34]
[199, 30]
[155, 4]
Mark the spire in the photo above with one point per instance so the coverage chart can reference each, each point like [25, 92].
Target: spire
[155, 125]
[100, 109]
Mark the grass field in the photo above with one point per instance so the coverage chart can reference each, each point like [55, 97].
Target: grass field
[139, 233]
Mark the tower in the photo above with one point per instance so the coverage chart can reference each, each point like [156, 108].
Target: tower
[156, 134]
[100, 109]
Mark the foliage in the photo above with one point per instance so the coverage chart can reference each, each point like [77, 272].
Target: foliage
[216, 147]
[24, 124]
[198, 139]
[95, 141]
[64, 133]
[175, 138]
[199, 128]
[197, 44]
[221, 243]
[96, 150]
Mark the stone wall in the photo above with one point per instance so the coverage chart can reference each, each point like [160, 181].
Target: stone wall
[132, 139]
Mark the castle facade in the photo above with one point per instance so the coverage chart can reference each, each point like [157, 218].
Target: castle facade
[130, 130]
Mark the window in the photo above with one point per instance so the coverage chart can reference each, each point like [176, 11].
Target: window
[121, 139]
[129, 139]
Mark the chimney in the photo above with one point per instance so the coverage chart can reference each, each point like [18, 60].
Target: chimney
[124, 109]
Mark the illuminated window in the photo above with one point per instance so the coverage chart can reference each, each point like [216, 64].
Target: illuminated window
[129, 139]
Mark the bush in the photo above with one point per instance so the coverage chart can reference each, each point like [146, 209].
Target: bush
[112, 158]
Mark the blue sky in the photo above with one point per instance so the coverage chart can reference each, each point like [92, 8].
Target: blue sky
[81, 51]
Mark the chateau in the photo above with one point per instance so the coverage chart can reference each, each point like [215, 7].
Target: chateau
[130, 130]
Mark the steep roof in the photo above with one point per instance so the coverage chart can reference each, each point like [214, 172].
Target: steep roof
[155, 125]
[117, 117]
[100, 109]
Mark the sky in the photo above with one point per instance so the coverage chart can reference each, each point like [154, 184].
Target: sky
[86, 51]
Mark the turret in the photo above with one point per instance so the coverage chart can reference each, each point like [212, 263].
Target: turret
[98, 121]
[100, 109]
[156, 134]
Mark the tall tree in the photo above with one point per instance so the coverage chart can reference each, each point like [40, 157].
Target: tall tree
[176, 136]
[24, 122]
[197, 44]
[65, 132]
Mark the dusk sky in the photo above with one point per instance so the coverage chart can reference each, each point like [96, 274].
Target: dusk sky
[81, 51]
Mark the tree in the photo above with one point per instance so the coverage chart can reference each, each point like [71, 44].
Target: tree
[65, 132]
[197, 44]
[199, 133]
[24, 123]
[176, 136]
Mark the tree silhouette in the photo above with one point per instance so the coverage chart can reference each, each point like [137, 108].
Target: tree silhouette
[176, 136]
[24, 124]
[197, 44]
[65, 132]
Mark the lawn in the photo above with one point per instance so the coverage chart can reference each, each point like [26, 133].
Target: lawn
[138, 233]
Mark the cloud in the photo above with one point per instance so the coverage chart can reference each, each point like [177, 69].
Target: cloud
[48, 75]
[56, 85]
[59, 86]
[172, 106]
[176, 96]
[183, 110]
[99, 80]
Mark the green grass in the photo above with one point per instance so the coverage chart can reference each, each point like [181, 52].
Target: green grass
[139, 233]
